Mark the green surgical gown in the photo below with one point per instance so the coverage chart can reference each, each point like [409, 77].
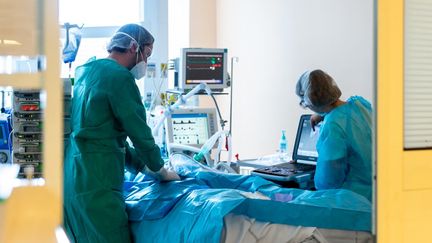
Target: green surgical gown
[106, 108]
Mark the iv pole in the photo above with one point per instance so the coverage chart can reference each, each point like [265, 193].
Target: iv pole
[233, 59]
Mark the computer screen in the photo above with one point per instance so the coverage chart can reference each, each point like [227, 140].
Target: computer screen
[308, 140]
[203, 65]
[191, 126]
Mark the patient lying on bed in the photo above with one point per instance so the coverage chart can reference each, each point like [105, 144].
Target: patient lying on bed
[194, 209]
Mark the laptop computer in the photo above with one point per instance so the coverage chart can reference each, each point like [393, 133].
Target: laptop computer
[304, 156]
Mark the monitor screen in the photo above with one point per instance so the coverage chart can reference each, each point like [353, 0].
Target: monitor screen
[191, 126]
[203, 65]
[308, 140]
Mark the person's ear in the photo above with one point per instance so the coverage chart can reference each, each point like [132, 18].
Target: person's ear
[146, 51]
[134, 48]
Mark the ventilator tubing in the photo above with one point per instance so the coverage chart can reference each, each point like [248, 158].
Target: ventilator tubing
[209, 144]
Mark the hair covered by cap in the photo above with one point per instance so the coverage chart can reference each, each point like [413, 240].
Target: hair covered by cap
[323, 90]
[318, 89]
[130, 34]
[303, 84]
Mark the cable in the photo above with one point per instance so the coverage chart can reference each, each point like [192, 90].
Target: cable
[11, 132]
[153, 100]
[157, 92]
[10, 141]
[159, 89]
[222, 121]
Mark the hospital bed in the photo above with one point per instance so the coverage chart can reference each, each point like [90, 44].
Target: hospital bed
[209, 206]
[240, 228]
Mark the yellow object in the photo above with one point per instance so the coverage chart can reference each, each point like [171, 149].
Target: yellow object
[29, 215]
[172, 99]
[404, 187]
[163, 99]
[164, 70]
[33, 213]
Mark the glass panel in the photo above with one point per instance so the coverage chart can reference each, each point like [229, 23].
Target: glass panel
[21, 64]
[100, 12]
[89, 47]
[21, 38]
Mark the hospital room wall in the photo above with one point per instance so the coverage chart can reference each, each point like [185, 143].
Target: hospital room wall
[276, 41]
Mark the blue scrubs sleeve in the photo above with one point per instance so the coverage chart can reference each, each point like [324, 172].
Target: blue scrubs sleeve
[332, 165]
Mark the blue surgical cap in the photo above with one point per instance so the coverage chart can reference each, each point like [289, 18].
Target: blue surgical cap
[303, 86]
[128, 35]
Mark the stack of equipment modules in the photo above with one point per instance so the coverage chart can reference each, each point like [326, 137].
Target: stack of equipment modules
[27, 132]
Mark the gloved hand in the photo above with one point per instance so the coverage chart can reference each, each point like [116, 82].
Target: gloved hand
[167, 175]
[315, 120]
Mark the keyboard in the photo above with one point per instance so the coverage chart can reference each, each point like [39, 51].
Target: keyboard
[304, 167]
[286, 169]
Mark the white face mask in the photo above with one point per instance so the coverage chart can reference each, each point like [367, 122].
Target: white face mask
[139, 70]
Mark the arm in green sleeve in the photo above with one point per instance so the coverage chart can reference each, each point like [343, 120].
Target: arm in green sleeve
[129, 111]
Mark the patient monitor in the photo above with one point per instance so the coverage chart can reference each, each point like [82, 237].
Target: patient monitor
[203, 65]
[192, 127]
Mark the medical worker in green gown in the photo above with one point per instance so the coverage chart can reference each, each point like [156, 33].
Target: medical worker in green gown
[345, 142]
[106, 108]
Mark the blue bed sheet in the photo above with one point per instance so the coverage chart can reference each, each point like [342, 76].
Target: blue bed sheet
[192, 210]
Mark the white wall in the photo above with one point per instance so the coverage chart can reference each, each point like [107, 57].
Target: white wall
[276, 41]
[178, 26]
[156, 21]
[192, 23]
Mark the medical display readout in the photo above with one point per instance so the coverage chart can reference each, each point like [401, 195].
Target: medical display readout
[308, 140]
[204, 67]
[191, 129]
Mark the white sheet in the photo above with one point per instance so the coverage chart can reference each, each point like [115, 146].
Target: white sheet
[240, 228]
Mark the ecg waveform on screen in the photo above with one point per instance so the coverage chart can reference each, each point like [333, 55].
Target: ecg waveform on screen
[190, 130]
[201, 67]
[183, 122]
[204, 65]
